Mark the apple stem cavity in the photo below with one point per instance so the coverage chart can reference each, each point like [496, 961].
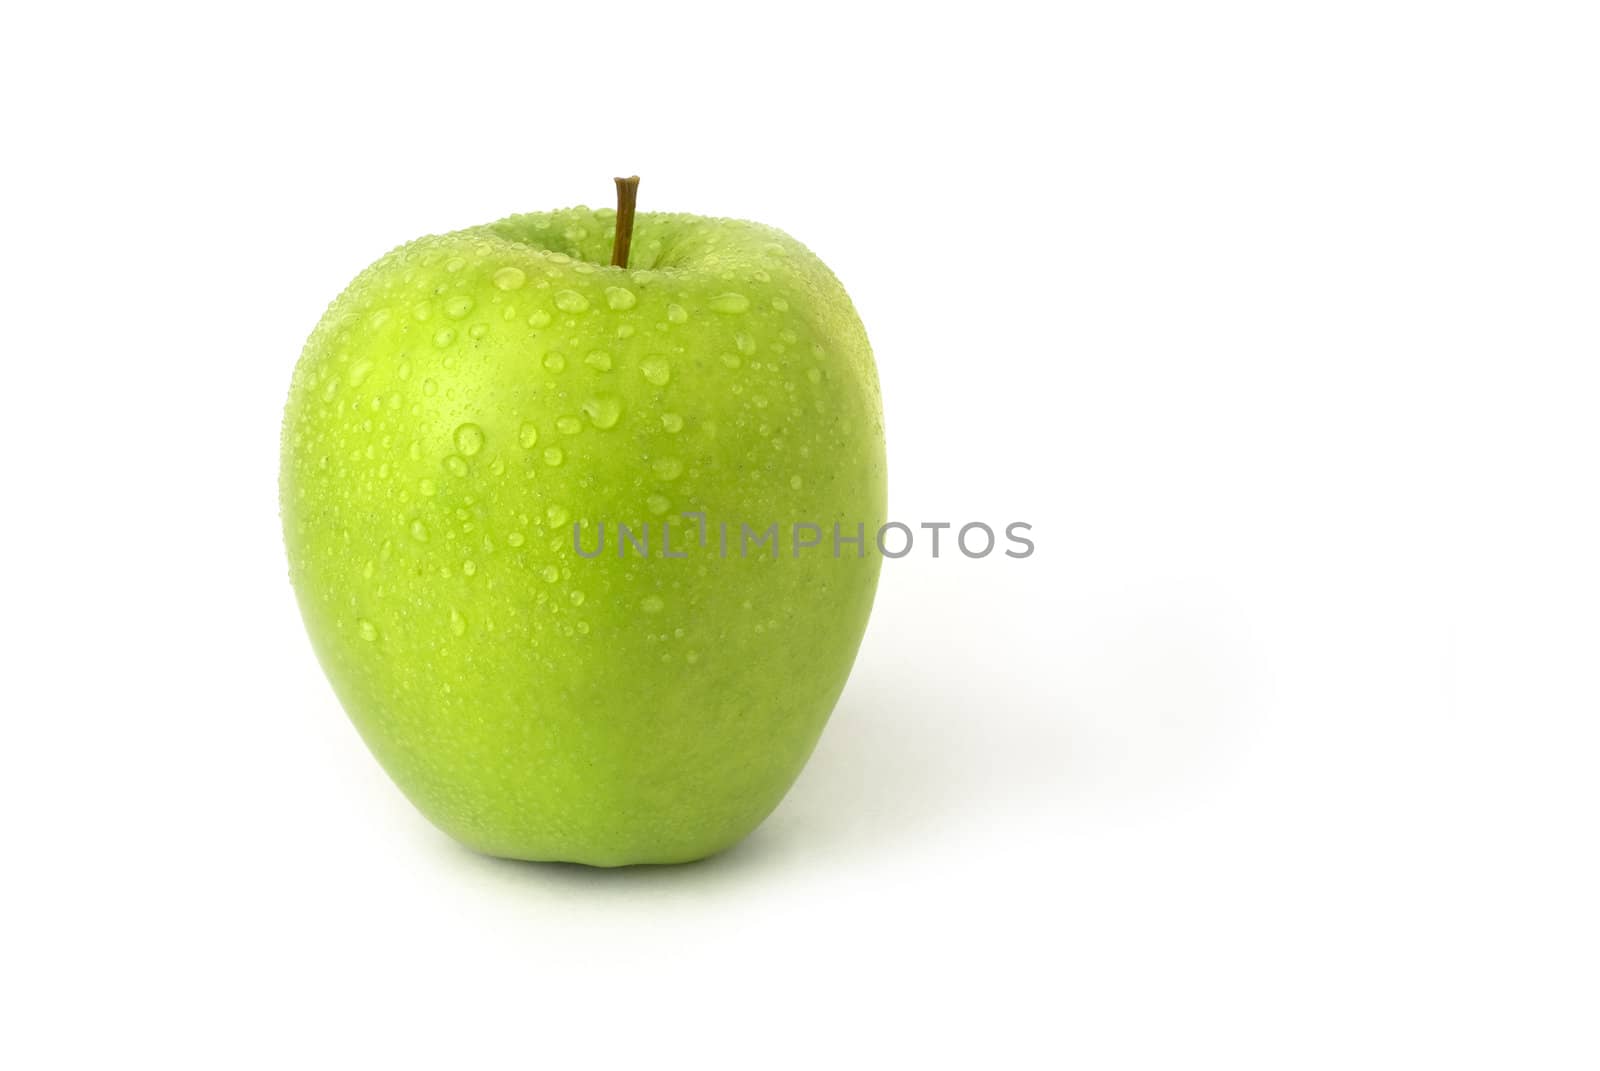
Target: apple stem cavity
[627, 195]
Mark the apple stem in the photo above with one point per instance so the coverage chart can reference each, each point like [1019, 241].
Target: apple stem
[627, 194]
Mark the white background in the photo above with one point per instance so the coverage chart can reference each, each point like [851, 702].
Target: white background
[1278, 321]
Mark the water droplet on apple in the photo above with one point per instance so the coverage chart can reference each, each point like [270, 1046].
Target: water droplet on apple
[528, 436]
[667, 468]
[368, 630]
[599, 360]
[469, 439]
[550, 573]
[568, 425]
[553, 455]
[620, 297]
[672, 422]
[458, 306]
[419, 531]
[746, 344]
[456, 465]
[458, 624]
[732, 360]
[510, 278]
[444, 337]
[455, 264]
[652, 604]
[657, 504]
[539, 318]
[469, 567]
[429, 387]
[427, 488]
[515, 539]
[780, 305]
[421, 311]
[729, 303]
[570, 301]
[603, 411]
[360, 371]
[656, 370]
[576, 598]
[555, 362]
[796, 482]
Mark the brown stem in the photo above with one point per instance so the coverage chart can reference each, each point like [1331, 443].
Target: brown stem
[627, 194]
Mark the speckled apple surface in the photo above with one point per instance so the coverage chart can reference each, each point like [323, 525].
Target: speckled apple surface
[472, 396]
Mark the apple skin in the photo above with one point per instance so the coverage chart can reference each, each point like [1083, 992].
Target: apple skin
[472, 396]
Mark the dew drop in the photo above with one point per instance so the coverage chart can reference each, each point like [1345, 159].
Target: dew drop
[515, 539]
[469, 439]
[427, 488]
[603, 411]
[620, 297]
[458, 306]
[746, 344]
[419, 531]
[528, 436]
[539, 318]
[455, 264]
[657, 504]
[652, 604]
[576, 598]
[556, 516]
[469, 568]
[553, 455]
[359, 372]
[656, 370]
[510, 278]
[429, 387]
[667, 468]
[729, 303]
[732, 360]
[550, 573]
[570, 301]
[672, 422]
[444, 337]
[568, 425]
[456, 465]
[677, 314]
[458, 624]
[554, 362]
[796, 482]
[599, 360]
[368, 630]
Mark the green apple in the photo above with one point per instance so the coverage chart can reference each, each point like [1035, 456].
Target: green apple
[476, 414]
